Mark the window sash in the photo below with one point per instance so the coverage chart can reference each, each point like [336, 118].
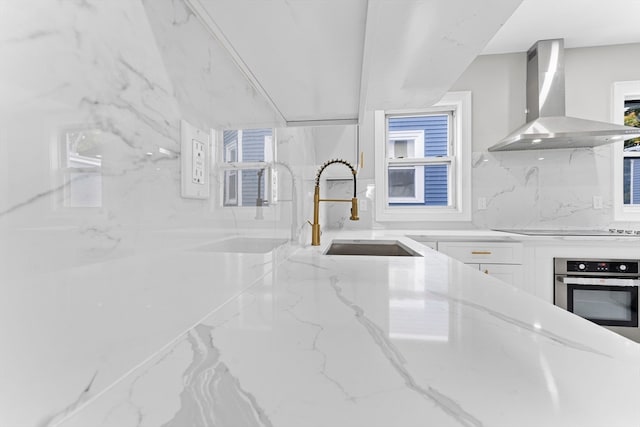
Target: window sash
[80, 164]
[458, 161]
[418, 160]
[239, 168]
[418, 185]
[622, 92]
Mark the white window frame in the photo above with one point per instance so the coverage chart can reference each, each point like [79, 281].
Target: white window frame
[418, 149]
[459, 161]
[92, 168]
[228, 151]
[622, 91]
[226, 168]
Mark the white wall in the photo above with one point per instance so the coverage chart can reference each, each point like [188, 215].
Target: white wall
[545, 189]
[521, 189]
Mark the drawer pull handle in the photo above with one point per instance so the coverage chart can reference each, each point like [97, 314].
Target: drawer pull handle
[480, 252]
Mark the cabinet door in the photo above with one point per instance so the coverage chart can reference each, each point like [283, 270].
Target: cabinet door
[509, 273]
[483, 252]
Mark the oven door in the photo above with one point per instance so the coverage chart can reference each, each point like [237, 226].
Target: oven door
[607, 302]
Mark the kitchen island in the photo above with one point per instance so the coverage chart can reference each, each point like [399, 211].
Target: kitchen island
[377, 341]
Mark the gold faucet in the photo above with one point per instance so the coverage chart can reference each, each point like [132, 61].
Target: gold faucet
[315, 227]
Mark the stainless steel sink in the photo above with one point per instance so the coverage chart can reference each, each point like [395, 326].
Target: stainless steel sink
[370, 248]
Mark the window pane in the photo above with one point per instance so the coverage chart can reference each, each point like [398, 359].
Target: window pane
[632, 118]
[401, 150]
[81, 159]
[83, 149]
[631, 168]
[631, 184]
[230, 152]
[418, 185]
[253, 144]
[250, 180]
[402, 182]
[434, 127]
[244, 186]
[84, 190]
[626, 181]
[436, 192]
[231, 188]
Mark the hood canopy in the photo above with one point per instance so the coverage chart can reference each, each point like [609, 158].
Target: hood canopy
[547, 125]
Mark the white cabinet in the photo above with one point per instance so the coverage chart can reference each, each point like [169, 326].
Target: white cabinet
[510, 273]
[502, 260]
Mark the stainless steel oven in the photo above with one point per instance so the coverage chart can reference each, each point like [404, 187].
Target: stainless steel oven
[604, 291]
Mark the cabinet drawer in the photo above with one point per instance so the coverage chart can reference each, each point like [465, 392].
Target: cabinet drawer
[509, 273]
[483, 252]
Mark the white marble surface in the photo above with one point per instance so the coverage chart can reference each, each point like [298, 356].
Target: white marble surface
[83, 328]
[91, 293]
[363, 341]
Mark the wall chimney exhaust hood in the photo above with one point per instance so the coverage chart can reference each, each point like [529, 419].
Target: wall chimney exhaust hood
[547, 126]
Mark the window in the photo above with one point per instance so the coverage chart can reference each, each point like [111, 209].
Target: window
[81, 166]
[631, 156]
[626, 182]
[423, 162]
[406, 183]
[246, 157]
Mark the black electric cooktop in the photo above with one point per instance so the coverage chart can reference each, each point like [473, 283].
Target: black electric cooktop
[539, 232]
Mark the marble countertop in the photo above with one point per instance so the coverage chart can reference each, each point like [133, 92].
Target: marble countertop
[505, 236]
[323, 340]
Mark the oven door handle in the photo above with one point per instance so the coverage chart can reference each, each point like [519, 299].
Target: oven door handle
[600, 281]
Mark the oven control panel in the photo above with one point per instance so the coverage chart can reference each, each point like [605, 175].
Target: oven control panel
[578, 266]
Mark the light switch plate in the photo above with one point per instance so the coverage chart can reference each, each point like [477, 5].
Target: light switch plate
[195, 161]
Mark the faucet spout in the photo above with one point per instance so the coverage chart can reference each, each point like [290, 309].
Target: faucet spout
[315, 226]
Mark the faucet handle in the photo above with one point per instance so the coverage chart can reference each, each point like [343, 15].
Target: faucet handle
[354, 209]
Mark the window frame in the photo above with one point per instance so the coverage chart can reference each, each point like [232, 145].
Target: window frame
[69, 175]
[621, 92]
[459, 161]
[418, 147]
[232, 150]
[226, 168]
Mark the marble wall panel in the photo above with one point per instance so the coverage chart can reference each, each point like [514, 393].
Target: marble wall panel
[90, 291]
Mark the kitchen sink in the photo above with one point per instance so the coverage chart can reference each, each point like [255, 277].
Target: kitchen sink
[370, 248]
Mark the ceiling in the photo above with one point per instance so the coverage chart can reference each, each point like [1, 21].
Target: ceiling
[329, 61]
[581, 23]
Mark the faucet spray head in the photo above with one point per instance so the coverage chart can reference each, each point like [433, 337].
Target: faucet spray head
[354, 209]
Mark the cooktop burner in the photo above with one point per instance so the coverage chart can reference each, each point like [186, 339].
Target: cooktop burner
[610, 232]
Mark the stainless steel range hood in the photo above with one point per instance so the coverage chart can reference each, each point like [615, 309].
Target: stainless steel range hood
[547, 126]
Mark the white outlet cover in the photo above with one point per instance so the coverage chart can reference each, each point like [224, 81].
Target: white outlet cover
[597, 202]
[482, 203]
[196, 158]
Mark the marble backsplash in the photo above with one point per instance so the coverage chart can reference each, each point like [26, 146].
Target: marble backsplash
[527, 189]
